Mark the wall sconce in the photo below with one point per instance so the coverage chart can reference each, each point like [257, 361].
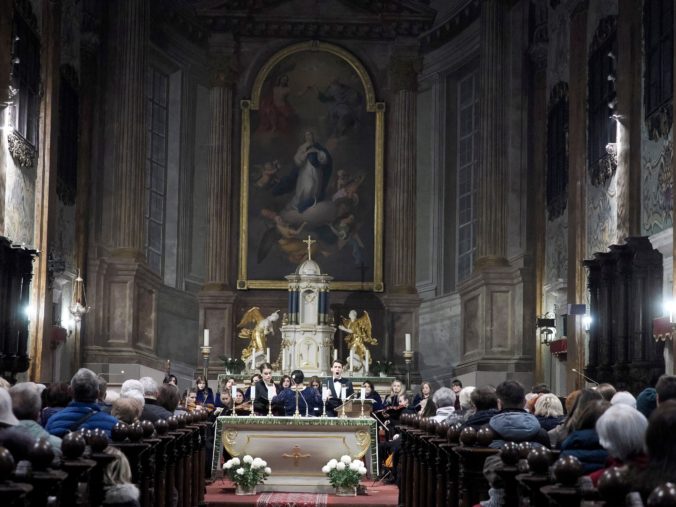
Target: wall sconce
[546, 326]
[78, 306]
[586, 322]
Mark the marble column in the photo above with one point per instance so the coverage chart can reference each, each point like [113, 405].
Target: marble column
[577, 189]
[492, 226]
[130, 29]
[217, 297]
[7, 8]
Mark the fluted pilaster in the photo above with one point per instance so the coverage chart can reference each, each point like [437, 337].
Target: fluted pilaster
[492, 233]
[401, 177]
[130, 37]
[220, 169]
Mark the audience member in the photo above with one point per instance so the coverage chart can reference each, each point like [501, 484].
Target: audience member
[646, 401]
[549, 411]
[54, 399]
[132, 388]
[623, 397]
[666, 388]
[456, 387]
[127, 410]
[170, 379]
[152, 410]
[26, 405]
[444, 401]
[420, 399]
[540, 389]
[583, 441]
[168, 397]
[621, 430]
[103, 394]
[12, 438]
[485, 403]
[607, 391]
[83, 411]
[559, 433]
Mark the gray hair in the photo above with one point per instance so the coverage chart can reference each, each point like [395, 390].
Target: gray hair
[548, 405]
[130, 385]
[621, 431]
[149, 387]
[444, 397]
[26, 402]
[84, 385]
[465, 396]
[623, 398]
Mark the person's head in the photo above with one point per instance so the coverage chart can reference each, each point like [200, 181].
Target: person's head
[229, 383]
[337, 368]
[191, 397]
[484, 398]
[425, 389]
[132, 389]
[226, 398]
[170, 379]
[239, 397]
[315, 382]
[548, 405]
[540, 389]
[456, 385]
[585, 397]
[149, 387]
[56, 395]
[256, 377]
[398, 387]
[606, 390]
[26, 402]
[646, 401]
[368, 387]
[531, 399]
[266, 372]
[621, 431]
[570, 400]
[286, 382]
[511, 394]
[7, 417]
[590, 414]
[201, 383]
[465, 396]
[84, 386]
[353, 315]
[127, 410]
[443, 397]
[103, 388]
[666, 388]
[168, 397]
[623, 397]
[660, 436]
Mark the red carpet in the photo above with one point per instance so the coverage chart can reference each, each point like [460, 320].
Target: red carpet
[222, 493]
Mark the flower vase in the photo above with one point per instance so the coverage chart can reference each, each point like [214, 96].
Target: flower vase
[346, 491]
[242, 490]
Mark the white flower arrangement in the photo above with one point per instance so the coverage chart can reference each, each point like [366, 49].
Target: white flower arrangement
[252, 471]
[344, 473]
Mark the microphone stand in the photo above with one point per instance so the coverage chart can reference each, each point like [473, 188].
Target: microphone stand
[588, 379]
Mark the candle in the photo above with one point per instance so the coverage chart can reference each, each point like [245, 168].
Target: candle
[366, 362]
[267, 354]
[408, 341]
[326, 393]
[362, 395]
[234, 393]
[206, 337]
[335, 354]
[253, 392]
[253, 360]
[283, 360]
[343, 392]
[351, 360]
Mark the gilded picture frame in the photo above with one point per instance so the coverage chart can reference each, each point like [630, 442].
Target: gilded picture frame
[312, 164]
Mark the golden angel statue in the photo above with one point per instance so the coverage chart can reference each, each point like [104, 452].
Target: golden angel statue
[255, 327]
[358, 334]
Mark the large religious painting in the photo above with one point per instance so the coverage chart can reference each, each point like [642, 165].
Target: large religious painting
[312, 165]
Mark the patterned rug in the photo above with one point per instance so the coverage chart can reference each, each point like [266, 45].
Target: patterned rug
[292, 500]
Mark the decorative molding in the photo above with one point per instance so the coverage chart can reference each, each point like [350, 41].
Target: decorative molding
[606, 29]
[446, 31]
[604, 169]
[659, 122]
[23, 152]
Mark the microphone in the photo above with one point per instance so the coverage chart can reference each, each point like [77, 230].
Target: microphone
[585, 376]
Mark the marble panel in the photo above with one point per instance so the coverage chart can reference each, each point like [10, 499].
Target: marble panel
[500, 320]
[656, 184]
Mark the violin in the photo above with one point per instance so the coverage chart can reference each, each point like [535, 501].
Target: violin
[243, 408]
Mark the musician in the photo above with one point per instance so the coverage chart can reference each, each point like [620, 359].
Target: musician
[372, 394]
[335, 385]
[266, 390]
[420, 399]
[255, 378]
[242, 407]
[396, 390]
[204, 394]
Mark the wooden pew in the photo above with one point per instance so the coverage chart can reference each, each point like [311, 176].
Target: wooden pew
[473, 484]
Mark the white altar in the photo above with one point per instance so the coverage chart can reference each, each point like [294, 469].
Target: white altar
[307, 330]
[296, 449]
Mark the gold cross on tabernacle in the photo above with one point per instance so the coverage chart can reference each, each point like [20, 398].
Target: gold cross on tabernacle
[296, 455]
[309, 241]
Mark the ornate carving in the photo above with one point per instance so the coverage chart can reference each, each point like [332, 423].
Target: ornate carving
[604, 169]
[447, 30]
[23, 152]
[607, 27]
[659, 122]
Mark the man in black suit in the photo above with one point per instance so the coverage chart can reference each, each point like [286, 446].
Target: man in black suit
[266, 390]
[335, 385]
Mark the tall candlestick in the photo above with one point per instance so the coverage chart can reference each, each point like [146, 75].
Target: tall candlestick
[267, 354]
[367, 360]
[234, 394]
[206, 337]
[326, 393]
[335, 354]
[252, 394]
[253, 360]
[408, 341]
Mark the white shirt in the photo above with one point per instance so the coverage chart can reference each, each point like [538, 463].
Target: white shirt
[272, 391]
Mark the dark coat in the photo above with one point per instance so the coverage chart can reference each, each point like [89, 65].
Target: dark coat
[480, 418]
[334, 400]
[262, 403]
[585, 446]
[65, 420]
[154, 412]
